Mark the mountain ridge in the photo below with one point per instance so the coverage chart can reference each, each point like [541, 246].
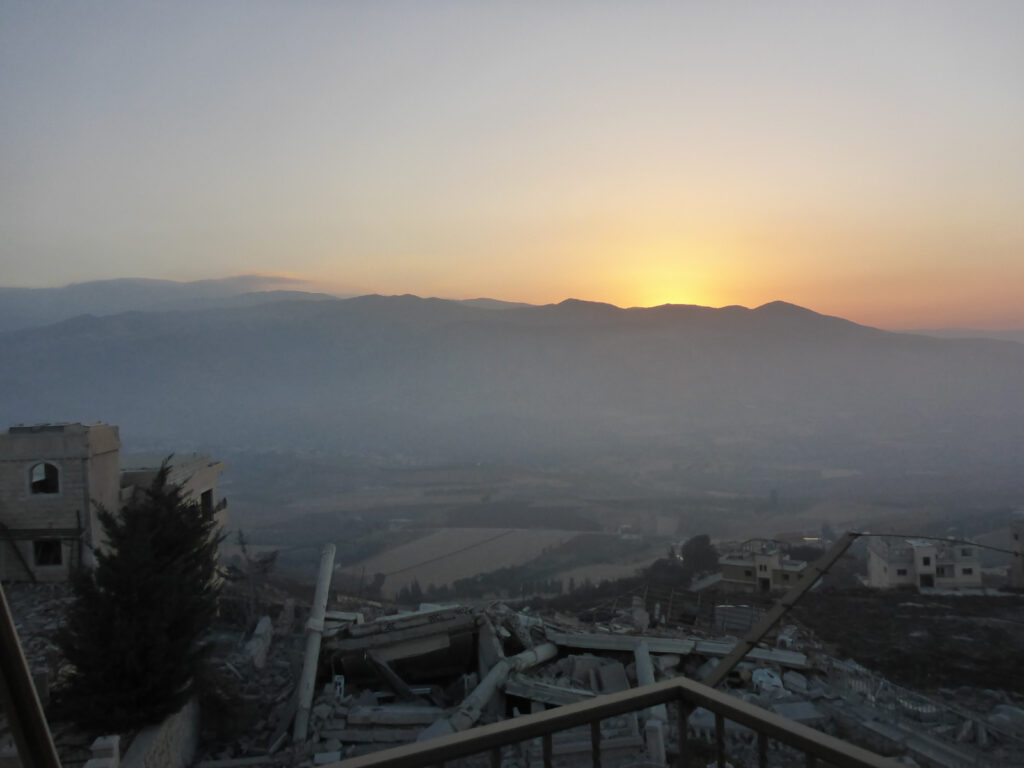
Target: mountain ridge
[436, 378]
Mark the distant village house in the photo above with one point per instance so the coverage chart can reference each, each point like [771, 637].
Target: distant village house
[759, 565]
[900, 562]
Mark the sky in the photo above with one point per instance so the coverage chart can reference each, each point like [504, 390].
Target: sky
[861, 159]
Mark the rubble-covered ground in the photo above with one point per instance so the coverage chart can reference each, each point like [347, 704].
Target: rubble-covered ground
[843, 663]
[38, 611]
[925, 641]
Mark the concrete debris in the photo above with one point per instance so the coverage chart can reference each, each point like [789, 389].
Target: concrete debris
[794, 681]
[767, 683]
[259, 644]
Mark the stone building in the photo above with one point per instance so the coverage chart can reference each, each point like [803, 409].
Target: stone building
[53, 477]
[898, 562]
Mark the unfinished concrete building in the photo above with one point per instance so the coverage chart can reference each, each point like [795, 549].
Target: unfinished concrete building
[759, 565]
[53, 478]
[899, 562]
[196, 473]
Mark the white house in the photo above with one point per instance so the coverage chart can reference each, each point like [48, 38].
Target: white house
[899, 562]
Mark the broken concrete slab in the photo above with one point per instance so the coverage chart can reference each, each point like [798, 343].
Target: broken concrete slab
[612, 678]
[582, 668]
[645, 676]
[545, 692]
[392, 638]
[594, 641]
[396, 622]
[794, 681]
[395, 714]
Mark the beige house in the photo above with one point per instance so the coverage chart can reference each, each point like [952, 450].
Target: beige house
[759, 565]
[53, 476]
[899, 562]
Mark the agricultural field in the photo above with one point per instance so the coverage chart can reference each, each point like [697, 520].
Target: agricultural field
[598, 572]
[456, 553]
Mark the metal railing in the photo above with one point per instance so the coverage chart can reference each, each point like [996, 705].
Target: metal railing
[819, 749]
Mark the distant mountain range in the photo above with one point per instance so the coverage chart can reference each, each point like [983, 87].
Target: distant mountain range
[778, 386]
[1016, 335]
[31, 307]
[28, 307]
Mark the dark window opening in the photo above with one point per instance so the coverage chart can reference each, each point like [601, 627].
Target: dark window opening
[748, 572]
[927, 580]
[48, 552]
[44, 478]
[926, 561]
[901, 571]
[965, 552]
[967, 571]
[206, 501]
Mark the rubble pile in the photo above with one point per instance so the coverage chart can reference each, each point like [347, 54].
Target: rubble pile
[386, 679]
[38, 611]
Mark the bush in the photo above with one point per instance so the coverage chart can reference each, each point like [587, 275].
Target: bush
[134, 632]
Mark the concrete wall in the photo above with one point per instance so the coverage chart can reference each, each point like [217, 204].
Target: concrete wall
[171, 744]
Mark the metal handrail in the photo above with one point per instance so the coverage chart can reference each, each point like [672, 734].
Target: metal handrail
[688, 693]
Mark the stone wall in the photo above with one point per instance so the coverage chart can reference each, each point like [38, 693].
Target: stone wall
[171, 744]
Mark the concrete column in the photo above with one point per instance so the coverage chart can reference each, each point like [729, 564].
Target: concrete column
[469, 711]
[645, 676]
[314, 631]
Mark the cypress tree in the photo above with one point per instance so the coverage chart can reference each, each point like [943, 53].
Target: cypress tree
[134, 631]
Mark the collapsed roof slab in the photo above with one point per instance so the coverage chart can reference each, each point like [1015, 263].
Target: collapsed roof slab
[385, 639]
[596, 641]
[683, 646]
[545, 692]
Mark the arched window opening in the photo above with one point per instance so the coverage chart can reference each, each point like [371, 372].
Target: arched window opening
[44, 478]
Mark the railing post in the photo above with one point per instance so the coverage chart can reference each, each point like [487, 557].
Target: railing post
[720, 739]
[595, 742]
[546, 746]
[496, 757]
[762, 750]
[810, 760]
